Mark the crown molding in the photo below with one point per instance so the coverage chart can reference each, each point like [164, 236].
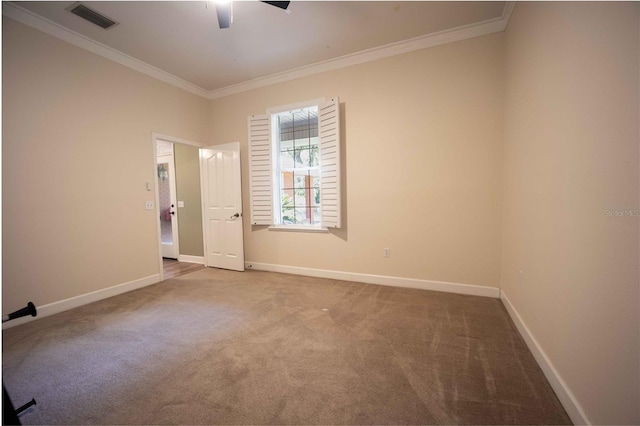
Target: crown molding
[506, 13]
[47, 26]
[478, 29]
[392, 49]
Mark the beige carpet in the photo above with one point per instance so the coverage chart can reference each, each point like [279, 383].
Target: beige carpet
[222, 347]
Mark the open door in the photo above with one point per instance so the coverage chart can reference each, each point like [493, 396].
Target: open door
[222, 206]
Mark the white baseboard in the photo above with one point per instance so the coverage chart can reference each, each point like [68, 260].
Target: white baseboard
[566, 397]
[84, 299]
[191, 259]
[474, 290]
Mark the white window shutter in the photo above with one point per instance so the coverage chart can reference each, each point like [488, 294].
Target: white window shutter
[260, 170]
[329, 128]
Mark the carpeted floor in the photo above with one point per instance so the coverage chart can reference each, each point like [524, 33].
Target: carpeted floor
[222, 347]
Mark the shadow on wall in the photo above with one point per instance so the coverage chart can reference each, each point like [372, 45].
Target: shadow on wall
[342, 232]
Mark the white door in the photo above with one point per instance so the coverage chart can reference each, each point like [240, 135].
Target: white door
[222, 206]
[167, 206]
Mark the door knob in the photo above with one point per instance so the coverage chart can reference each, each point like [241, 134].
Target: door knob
[237, 215]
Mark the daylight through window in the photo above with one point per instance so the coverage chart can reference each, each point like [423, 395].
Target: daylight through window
[298, 166]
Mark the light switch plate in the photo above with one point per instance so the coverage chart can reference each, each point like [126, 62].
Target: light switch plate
[180, 203]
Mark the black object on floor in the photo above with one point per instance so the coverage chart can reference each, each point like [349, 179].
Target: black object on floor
[9, 413]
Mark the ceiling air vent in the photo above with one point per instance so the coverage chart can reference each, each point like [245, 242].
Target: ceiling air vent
[91, 15]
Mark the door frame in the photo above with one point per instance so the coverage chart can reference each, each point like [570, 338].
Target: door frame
[154, 144]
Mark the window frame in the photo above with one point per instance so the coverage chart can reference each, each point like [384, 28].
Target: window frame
[277, 167]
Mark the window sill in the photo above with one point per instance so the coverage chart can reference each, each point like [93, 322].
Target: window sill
[298, 228]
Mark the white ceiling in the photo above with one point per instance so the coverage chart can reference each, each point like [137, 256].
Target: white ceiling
[182, 38]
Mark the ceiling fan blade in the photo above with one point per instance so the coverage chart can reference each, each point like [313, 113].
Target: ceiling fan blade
[281, 4]
[225, 14]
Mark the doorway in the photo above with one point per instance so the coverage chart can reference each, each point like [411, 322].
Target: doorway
[167, 200]
[207, 183]
[182, 176]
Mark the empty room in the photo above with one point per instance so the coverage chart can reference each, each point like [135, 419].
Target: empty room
[317, 212]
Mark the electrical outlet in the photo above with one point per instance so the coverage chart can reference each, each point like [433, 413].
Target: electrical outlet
[387, 252]
[148, 205]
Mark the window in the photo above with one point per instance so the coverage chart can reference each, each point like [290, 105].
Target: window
[294, 167]
[297, 167]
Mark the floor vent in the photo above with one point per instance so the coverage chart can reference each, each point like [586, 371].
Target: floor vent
[91, 15]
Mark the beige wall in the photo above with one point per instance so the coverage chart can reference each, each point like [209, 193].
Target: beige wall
[76, 156]
[188, 190]
[423, 144]
[571, 154]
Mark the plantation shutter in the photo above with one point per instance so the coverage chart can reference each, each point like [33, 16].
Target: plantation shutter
[329, 129]
[260, 170]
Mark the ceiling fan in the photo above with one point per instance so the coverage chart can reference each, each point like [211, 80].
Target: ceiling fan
[225, 12]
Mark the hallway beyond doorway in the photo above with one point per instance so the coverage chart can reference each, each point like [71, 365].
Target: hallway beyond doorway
[172, 268]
